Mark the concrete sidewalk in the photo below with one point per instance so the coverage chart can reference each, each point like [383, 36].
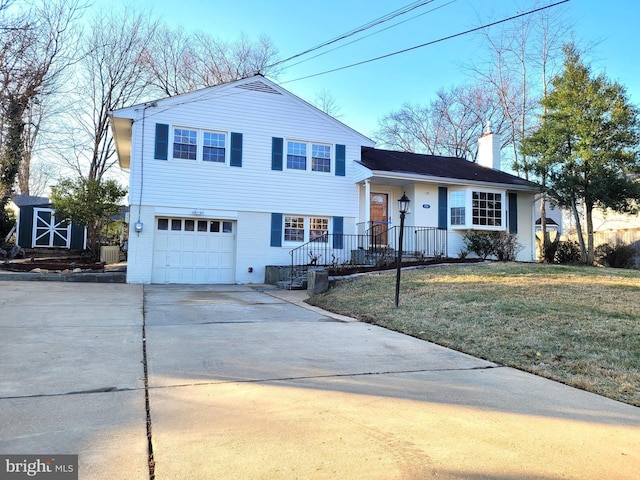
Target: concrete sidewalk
[251, 384]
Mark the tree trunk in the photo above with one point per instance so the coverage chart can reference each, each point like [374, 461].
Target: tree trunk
[576, 216]
[590, 246]
[13, 148]
[543, 229]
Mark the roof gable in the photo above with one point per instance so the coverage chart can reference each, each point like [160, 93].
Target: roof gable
[122, 119]
[451, 168]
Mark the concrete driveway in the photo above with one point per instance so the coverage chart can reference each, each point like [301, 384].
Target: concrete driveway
[247, 383]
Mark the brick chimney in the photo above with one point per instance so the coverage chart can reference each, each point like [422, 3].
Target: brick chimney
[489, 149]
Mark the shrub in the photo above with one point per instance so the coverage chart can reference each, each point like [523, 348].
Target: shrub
[619, 256]
[480, 243]
[568, 252]
[506, 246]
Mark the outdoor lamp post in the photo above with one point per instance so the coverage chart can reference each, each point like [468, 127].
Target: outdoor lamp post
[403, 207]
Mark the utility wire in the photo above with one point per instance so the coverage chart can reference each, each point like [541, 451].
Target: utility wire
[372, 34]
[428, 43]
[371, 24]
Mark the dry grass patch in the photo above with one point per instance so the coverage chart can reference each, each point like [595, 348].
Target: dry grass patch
[576, 325]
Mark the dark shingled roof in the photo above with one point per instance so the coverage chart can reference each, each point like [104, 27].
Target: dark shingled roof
[436, 166]
[29, 200]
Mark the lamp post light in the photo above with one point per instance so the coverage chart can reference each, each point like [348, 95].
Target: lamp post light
[403, 207]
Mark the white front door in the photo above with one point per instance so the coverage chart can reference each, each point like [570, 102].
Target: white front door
[191, 250]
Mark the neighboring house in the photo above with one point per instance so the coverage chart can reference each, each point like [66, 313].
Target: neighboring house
[37, 226]
[227, 180]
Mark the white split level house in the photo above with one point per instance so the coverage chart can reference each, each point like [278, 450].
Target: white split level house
[230, 179]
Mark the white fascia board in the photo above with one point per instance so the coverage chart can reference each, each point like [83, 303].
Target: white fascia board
[407, 177]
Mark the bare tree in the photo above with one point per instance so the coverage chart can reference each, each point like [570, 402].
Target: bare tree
[111, 75]
[450, 125]
[325, 101]
[521, 58]
[178, 62]
[34, 54]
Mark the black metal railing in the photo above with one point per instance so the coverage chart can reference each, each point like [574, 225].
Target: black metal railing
[376, 246]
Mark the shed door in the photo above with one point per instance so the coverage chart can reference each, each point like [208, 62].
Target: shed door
[190, 250]
[47, 232]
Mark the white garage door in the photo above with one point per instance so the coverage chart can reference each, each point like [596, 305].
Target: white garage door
[189, 250]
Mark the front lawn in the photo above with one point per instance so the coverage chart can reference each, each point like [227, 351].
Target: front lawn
[576, 325]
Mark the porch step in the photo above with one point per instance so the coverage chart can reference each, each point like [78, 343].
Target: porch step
[294, 285]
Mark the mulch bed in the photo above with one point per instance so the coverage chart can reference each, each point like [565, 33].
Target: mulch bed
[51, 264]
[349, 270]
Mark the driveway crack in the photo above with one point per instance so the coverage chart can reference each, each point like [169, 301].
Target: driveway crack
[152, 464]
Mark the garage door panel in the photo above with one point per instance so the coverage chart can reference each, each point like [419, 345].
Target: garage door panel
[186, 252]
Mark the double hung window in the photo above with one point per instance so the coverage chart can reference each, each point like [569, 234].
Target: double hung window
[308, 156]
[306, 229]
[213, 147]
[457, 208]
[296, 156]
[185, 143]
[199, 145]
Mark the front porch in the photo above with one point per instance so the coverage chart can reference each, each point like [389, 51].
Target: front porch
[376, 247]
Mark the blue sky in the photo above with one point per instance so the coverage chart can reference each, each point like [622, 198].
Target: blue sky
[366, 93]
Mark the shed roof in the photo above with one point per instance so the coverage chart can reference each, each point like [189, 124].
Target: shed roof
[29, 200]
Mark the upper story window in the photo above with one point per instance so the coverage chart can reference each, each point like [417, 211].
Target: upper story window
[199, 145]
[477, 209]
[321, 158]
[185, 143]
[298, 157]
[213, 147]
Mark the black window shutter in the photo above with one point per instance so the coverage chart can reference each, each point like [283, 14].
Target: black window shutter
[276, 153]
[340, 160]
[442, 208]
[236, 150]
[162, 141]
[338, 231]
[513, 213]
[276, 229]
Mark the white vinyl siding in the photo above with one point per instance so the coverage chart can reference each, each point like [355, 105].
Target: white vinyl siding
[247, 195]
[254, 187]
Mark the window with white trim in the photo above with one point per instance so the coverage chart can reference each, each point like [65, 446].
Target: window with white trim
[457, 207]
[308, 156]
[487, 209]
[477, 209]
[318, 229]
[305, 229]
[293, 229]
[199, 145]
[185, 144]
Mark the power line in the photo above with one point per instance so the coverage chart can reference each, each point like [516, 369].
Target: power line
[428, 43]
[366, 26]
[373, 33]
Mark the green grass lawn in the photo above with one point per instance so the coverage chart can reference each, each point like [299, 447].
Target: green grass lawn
[576, 325]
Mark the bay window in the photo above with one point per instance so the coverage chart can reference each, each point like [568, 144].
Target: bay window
[477, 209]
